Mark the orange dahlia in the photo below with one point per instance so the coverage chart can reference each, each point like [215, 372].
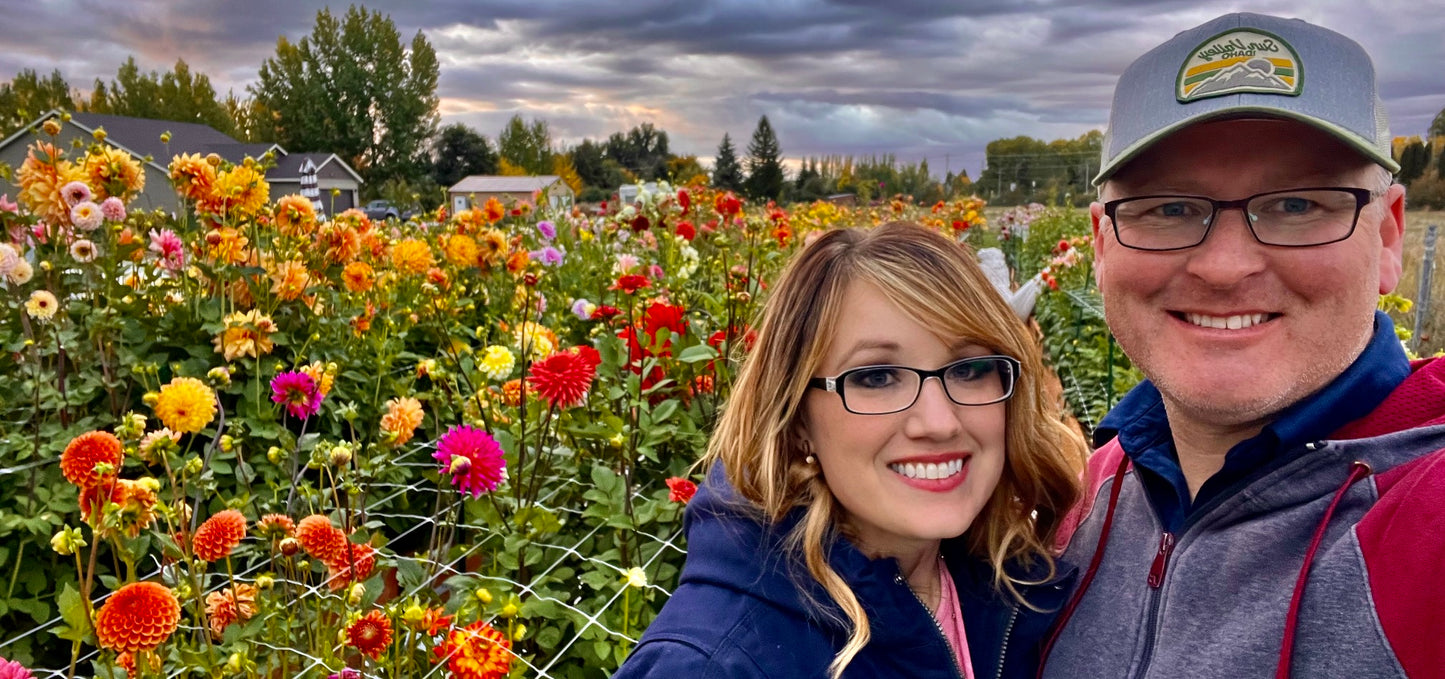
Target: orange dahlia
[370, 634]
[403, 416]
[492, 245]
[289, 279]
[494, 210]
[232, 604]
[84, 452]
[358, 277]
[219, 535]
[276, 527]
[477, 651]
[411, 256]
[354, 562]
[135, 503]
[295, 215]
[320, 539]
[113, 172]
[137, 617]
[192, 176]
[340, 242]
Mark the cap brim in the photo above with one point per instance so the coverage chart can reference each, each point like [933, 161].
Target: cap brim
[1354, 141]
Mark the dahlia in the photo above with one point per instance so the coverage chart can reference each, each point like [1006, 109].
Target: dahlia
[320, 539]
[537, 340]
[494, 210]
[289, 279]
[295, 215]
[563, 378]
[402, 417]
[512, 393]
[137, 617]
[232, 604]
[83, 251]
[484, 469]
[42, 305]
[238, 193]
[9, 669]
[135, 503]
[246, 334]
[493, 246]
[170, 251]
[113, 209]
[76, 193]
[411, 256]
[86, 216]
[114, 172]
[370, 634]
[8, 258]
[680, 490]
[517, 261]
[41, 177]
[227, 246]
[354, 563]
[21, 273]
[192, 176]
[220, 534]
[84, 452]
[298, 391]
[630, 283]
[340, 242]
[325, 376]
[497, 362]
[477, 651]
[276, 527]
[357, 277]
[461, 250]
[548, 230]
[158, 442]
[186, 405]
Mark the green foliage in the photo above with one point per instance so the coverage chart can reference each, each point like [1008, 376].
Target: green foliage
[727, 173]
[353, 87]
[176, 95]
[28, 96]
[459, 151]
[525, 146]
[1414, 161]
[1026, 170]
[765, 164]
[642, 151]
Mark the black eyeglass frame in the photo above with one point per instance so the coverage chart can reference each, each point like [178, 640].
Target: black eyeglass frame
[835, 383]
[1363, 197]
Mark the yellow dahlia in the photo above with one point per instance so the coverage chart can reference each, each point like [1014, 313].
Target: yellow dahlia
[493, 246]
[192, 176]
[498, 362]
[238, 193]
[186, 405]
[42, 175]
[227, 246]
[289, 279]
[113, 172]
[246, 334]
[411, 256]
[324, 376]
[461, 250]
[42, 305]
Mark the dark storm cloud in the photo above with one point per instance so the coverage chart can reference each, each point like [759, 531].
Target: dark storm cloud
[919, 78]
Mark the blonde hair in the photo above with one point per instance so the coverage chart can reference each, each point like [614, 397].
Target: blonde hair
[937, 282]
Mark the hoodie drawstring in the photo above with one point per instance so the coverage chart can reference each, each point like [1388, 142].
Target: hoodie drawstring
[1358, 470]
[1093, 565]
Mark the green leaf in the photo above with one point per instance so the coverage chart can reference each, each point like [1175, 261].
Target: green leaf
[697, 354]
[663, 411]
[409, 574]
[72, 611]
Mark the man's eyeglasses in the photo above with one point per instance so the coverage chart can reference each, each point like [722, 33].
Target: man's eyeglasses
[1295, 218]
[885, 389]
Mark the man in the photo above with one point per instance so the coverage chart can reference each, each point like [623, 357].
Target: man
[1272, 499]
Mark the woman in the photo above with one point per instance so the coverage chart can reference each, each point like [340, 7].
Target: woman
[860, 519]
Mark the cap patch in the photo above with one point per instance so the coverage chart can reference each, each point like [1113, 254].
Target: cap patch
[1240, 60]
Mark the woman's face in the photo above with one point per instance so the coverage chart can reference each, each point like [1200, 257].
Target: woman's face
[878, 466]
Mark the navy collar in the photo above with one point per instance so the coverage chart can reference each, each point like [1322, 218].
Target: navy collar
[1142, 427]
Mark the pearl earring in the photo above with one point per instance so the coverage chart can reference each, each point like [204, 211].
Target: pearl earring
[808, 448]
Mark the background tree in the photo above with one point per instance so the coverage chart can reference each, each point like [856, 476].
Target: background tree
[354, 88]
[563, 168]
[1024, 169]
[526, 147]
[28, 96]
[177, 95]
[1414, 159]
[682, 170]
[250, 119]
[727, 173]
[765, 165]
[459, 151]
[642, 150]
[1437, 126]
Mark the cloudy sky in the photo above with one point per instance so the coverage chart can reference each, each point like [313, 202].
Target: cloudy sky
[934, 79]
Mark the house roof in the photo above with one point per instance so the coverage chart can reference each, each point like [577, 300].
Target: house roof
[480, 183]
[288, 167]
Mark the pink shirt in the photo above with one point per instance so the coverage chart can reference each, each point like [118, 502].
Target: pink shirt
[950, 618]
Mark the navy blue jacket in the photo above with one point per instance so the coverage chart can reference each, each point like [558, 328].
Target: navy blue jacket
[740, 610]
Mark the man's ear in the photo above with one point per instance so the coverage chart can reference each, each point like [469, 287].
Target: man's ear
[1392, 237]
[1096, 217]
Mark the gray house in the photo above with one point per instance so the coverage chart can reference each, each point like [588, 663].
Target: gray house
[141, 137]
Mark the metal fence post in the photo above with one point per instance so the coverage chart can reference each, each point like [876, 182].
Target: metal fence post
[1422, 301]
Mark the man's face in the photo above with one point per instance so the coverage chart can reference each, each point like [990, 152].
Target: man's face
[1308, 312]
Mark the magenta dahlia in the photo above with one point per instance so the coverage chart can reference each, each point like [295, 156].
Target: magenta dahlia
[473, 459]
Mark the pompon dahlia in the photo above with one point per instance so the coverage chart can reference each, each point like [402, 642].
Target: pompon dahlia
[84, 452]
[353, 563]
[219, 535]
[276, 527]
[473, 459]
[186, 405]
[230, 605]
[563, 378]
[137, 617]
[370, 634]
[135, 503]
[477, 651]
[320, 539]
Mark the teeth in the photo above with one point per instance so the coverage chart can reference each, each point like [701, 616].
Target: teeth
[1226, 322]
[928, 471]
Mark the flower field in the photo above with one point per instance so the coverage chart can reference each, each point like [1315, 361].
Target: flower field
[255, 441]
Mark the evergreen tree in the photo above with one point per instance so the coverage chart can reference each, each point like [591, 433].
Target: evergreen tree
[459, 151]
[727, 174]
[1437, 126]
[1414, 159]
[765, 165]
[29, 96]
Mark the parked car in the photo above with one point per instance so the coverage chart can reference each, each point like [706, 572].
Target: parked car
[384, 209]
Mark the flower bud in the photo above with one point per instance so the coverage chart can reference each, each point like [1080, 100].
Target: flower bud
[265, 582]
[510, 610]
[149, 483]
[340, 456]
[276, 455]
[166, 137]
[483, 595]
[194, 465]
[150, 398]
[51, 127]
[461, 464]
[356, 594]
[99, 134]
[413, 614]
[233, 663]
[519, 632]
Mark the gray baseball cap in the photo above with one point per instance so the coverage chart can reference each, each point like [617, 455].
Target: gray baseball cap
[1248, 66]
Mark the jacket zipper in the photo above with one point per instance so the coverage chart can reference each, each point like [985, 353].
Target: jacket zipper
[953, 660]
[1157, 571]
[1013, 617]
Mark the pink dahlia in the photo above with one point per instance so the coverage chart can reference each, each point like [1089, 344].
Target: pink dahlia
[9, 669]
[298, 391]
[75, 193]
[169, 249]
[473, 459]
[113, 209]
